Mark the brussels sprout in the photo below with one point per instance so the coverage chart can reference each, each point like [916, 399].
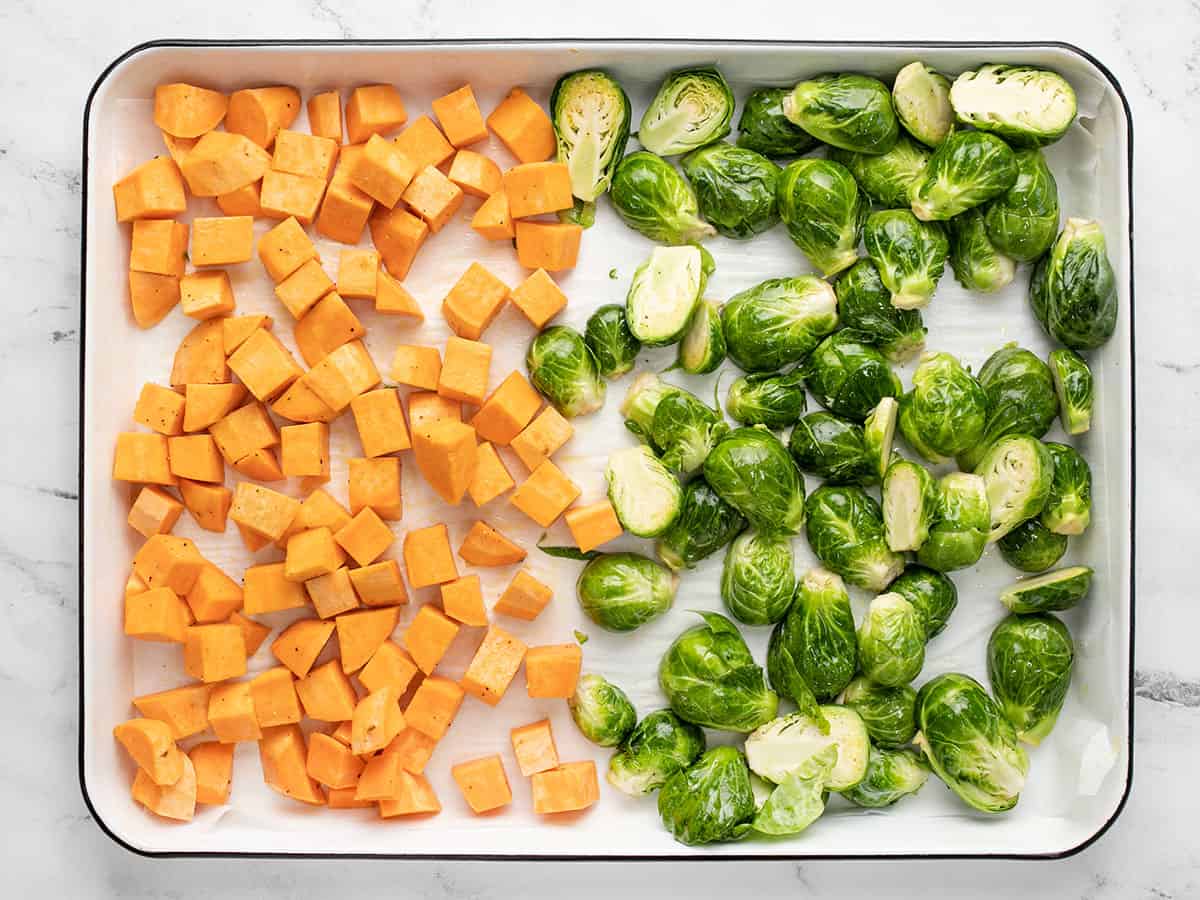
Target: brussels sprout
[607, 335]
[709, 801]
[652, 198]
[787, 744]
[663, 295]
[1019, 472]
[590, 111]
[969, 743]
[1073, 289]
[921, 96]
[1020, 399]
[751, 470]
[891, 641]
[909, 254]
[833, 448]
[602, 711]
[758, 579]
[845, 530]
[644, 493]
[887, 178]
[641, 401]
[889, 713]
[960, 527]
[706, 523]
[623, 591]
[702, 349]
[735, 188]
[945, 412]
[1068, 509]
[1028, 106]
[711, 679]
[931, 593]
[1073, 385]
[891, 776]
[764, 128]
[976, 262]
[850, 111]
[910, 498]
[784, 676]
[848, 376]
[816, 638]
[799, 800]
[564, 371]
[685, 430]
[1023, 221]
[693, 107]
[865, 305]
[1053, 592]
[879, 431]
[967, 169]
[773, 400]
[1029, 660]
[778, 322]
[1032, 547]
[659, 746]
[823, 210]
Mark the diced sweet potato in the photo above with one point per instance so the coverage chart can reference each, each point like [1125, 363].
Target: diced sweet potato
[151, 297]
[398, 235]
[377, 720]
[462, 600]
[379, 779]
[545, 494]
[236, 329]
[523, 127]
[524, 598]
[491, 477]
[206, 404]
[183, 709]
[159, 408]
[154, 190]
[539, 298]
[327, 694]
[483, 783]
[284, 195]
[329, 324]
[460, 118]
[266, 589]
[379, 584]
[379, 420]
[304, 450]
[325, 115]
[150, 744]
[427, 407]
[176, 801]
[553, 246]
[474, 302]
[275, 700]
[507, 410]
[361, 634]
[252, 541]
[534, 747]
[552, 670]
[428, 557]
[254, 633]
[417, 366]
[301, 643]
[263, 510]
[284, 759]
[245, 201]
[284, 249]
[214, 597]
[365, 537]
[358, 274]
[154, 512]
[343, 798]
[434, 706]
[300, 403]
[159, 247]
[157, 614]
[537, 188]
[413, 796]
[178, 148]
[567, 788]
[375, 483]
[200, 358]
[168, 561]
[485, 546]
[204, 295]
[261, 465]
[494, 665]
[373, 109]
[428, 638]
[259, 113]
[241, 432]
[433, 197]
[493, 220]
[344, 374]
[195, 456]
[301, 290]
[214, 652]
[223, 162]
[465, 371]
[445, 453]
[475, 174]
[389, 666]
[393, 299]
[222, 240]
[305, 154]
[382, 171]
[345, 209]
[424, 143]
[312, 553]
[593, 525]
[231, 713]
[188, 111]
[331, 763]
[213, 763]
[332, 594]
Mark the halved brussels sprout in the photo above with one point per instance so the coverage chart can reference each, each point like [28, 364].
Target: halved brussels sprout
[976, 262]
[910, 498]
[922, 99]
[887, 178]
[848, 376]
[909, 254]
[847, 110]
[891, 641]
[607, 335]
[643, 491]
[821, 206]
[1028, 106]
[1021, 399]
[659, 746]
[1032, 547]
[751, 470]
[564, 371]
[785, 745]
[832, 448]
[889, 713]
[960, 529]
[1073, 384]
[601, 710]
[778, 322]
[590, 111]
[706, 523]
[1023, 221]
[1073, 289]
[891, 776]
[845, 530]
[711, 679]
[932, 594]
[1068, 509]
[758, 579]
[709, 801]
[764, 128]
[865, 306]
[969, 743]
[702, 349]
[1053, 592]
[799, 800]
[1029, 661]
[773, 400]
[783, 674]
[818, 636]
[641, 401]
[879, 431]
[945, 412]
[651, 197]
[685, 430]
[735, 188]
[1018, 471]
[693, 107]
[623, 591]
[664, 294]
[967, 169]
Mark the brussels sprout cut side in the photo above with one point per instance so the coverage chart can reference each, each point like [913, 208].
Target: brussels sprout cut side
[764, 128]
[865, 305]
[564, 371]
[663, 295]
[961, 525]
[845, 530]
[735, 188]
[758, 579]
[1068, 509]
[1073, 289]
[879, 431]
[607, 335]
[659, 746]
[910, 497]
[1018, 471]
[702, 349]
[1053, 592]
[1076, 391]
[623, 591]
[709, 801]
[832, 448]
[778, 322]
[602, 711]
[921, 96]
[1027, 106]
[706, 523]
[816, 640]
[977, 263]
[641, 401]
[966, 170]
[891, 776]
[887, 178]
[850, 111]
[786, 745]
[946, 411]
[1029, 660]
[1023, 221]
[848, 376]
[652, 198]
[775, 401]
[1020, 400]
[752, 471]
[591, 125]
[823, 211]
[909, 254]
[644, 493]
[932, 595]
[693, 107]
[889, 713]
[891, 641]
[799, 800]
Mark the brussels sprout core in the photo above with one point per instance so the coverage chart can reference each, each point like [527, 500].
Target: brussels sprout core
[879, 431]
[1029, 107]
[922, 99]
[645, 495]
[702, 349]
[693, 107]
[641, 400]
[786, 744]
[909, 503]
[1018, 471]
[591, 122]
[663, 295]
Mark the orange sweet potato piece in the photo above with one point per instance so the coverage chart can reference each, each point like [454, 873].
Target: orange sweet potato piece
[254, 633]
[494, 665]
[493, 220]
[433, 197]
[214, 652]
[154, 512]
[428, 637]
[345, 209]
[398, 235]
[567, 788]
[301, 290]
[434, 706]
[462, 600]
[151, 746]
[305, 154]
[332, 594]
[382, 171]
[534, 747]
[327, 694]
[160, 409]
[168, 561]
[375, 483]
[176, 801]
[426, 407]
[552, 670]
[178, 148]
[474, 302]
[154, 190]
[263, 510]
[524, 598]
[329, 324]
[301, 643]
[207, 404]
[483, 783]
[188, 111]
[536, 188]
[373, 109]
[195, 456]
[424, 143]
[389, 666]
[413, 796]
[379, 419]
[266, 589]
[539, 298]
[331, 762]
[445, 452]
[417, 366]
[361, 634]
[283, 194]
[223, 162]
[183, 709]
[213, 762]
[545, 494]
[284, 759]
[593, 525]
[485, 546]
[200, 358]
[325, 115]
[358, 274]
[275, 700]
[379, 779]
[156, 615]
[466, 365]
[377, 720]
[158, 246]
[151, 297]
[379, 584]
[245, 201]
[507, 410]
[523, 127]
[553, 246]
[460, 118]
[427, 556]
[475, 174]
[491, 477]
[343, 798]
[413, 748]
[214, 597]
[393, 299]
[365, 537]
[259, 113]
[285, 248]
[222, 240]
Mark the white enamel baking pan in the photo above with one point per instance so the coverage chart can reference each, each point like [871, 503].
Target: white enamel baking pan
[1080, 776]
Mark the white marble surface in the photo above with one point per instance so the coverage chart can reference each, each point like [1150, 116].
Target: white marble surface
[53, 51]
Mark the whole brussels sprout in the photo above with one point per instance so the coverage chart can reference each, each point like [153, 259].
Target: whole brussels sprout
[751, 470]
[658, 746]
[644, 493]
[1023, 221]
[819, 202]
[601, 710]
[735, 188]
[891, 641]
[765, 129]
[1029, 660]
[590, 111]
[693, 107]
[910, 498]
[888, 712]
[706, 523]
[1073, 384]
[1020, 399]
[887, 178]
[1027, 106]
[891, 776]
[564, 371]
[845, 530]
[1032, 547]
[1053, 592]
[967, 169]
[976, 262]
[702, 349]
[816, 639]
[921, 96]
[709, 801]
[641, 401]
[909, 254]
[969, 743]
[758, 579]
[787, 744]
[832, 448]
[711, 679]
[961, 525]
[770, 399]
[1073, 289]
[1068, 509]
[685, 430]
[778, 322]
[623, 591]
[932, 594]
[945, 412]
[799, 800]
[865, 306]
[848, 376]
[652, 198]
[664, 294]
[1018, 471]
[848, 110]
[607, 335]
[879, 432]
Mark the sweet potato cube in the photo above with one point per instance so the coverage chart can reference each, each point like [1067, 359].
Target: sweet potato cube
[151, 297]
[483, 783]
[379, 420]
[275, 700]
[214, 597]
[206, 404]
[567, 788]
[312, 553]
[428, 638]
[393, 299]
[332, 594]
[241, 432]
[204, 295]
[159, 246]
[507, 410]
[285, 248]
[327, 694]
[417, 366]
[365, 537]
[222, 240]
[382, 171]
[377, 720]
[304, 449]
[413, 748]
[325, 115]
[305, 154]
[259, 113]
[545, 494]
[331, 763]
[460, 118]
[433, 197]
[414, 795]
[245, 201]
[284, 760]
[537, 188]
[491, 477]
[424, 143]
[150, 744]
[379, 584]
[319, 509]
[553, 670]
[373, 109]
[379, 779]
[175, 801]
[154, 190]
[157, 615]
[344, 374]
[593, 525]
[539, 298]
[195, 456]
[375, 483]
[214, 652]
[266, 589]
[486, 547]
[251, 540]
[160, 409]
[254, 633]
[427, 407]
[523, 127]
[183, 709]
[261, 465]
[213, 763]
[301, 643]
[222, 162]
[343, 798]
[445, 452]
[398, 235]
[494, 665]
[465, 370]
[236, 329]
[358, 272]
[493, 220]
[188, 111]
[301, 290]
[434, 706]
[534, 747]
[361, 634]
[179, 148]
[168, 561]
[389, 666]
[327, 325]
[474, 302]
[475, 174]
[345, 210]
[300, 403]
[553, 246]
[283, 195]
[524, 598]
[463, 600]
[200, 358]
[263, 510]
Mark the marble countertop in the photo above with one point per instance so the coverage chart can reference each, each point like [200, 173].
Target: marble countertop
[54, 51]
